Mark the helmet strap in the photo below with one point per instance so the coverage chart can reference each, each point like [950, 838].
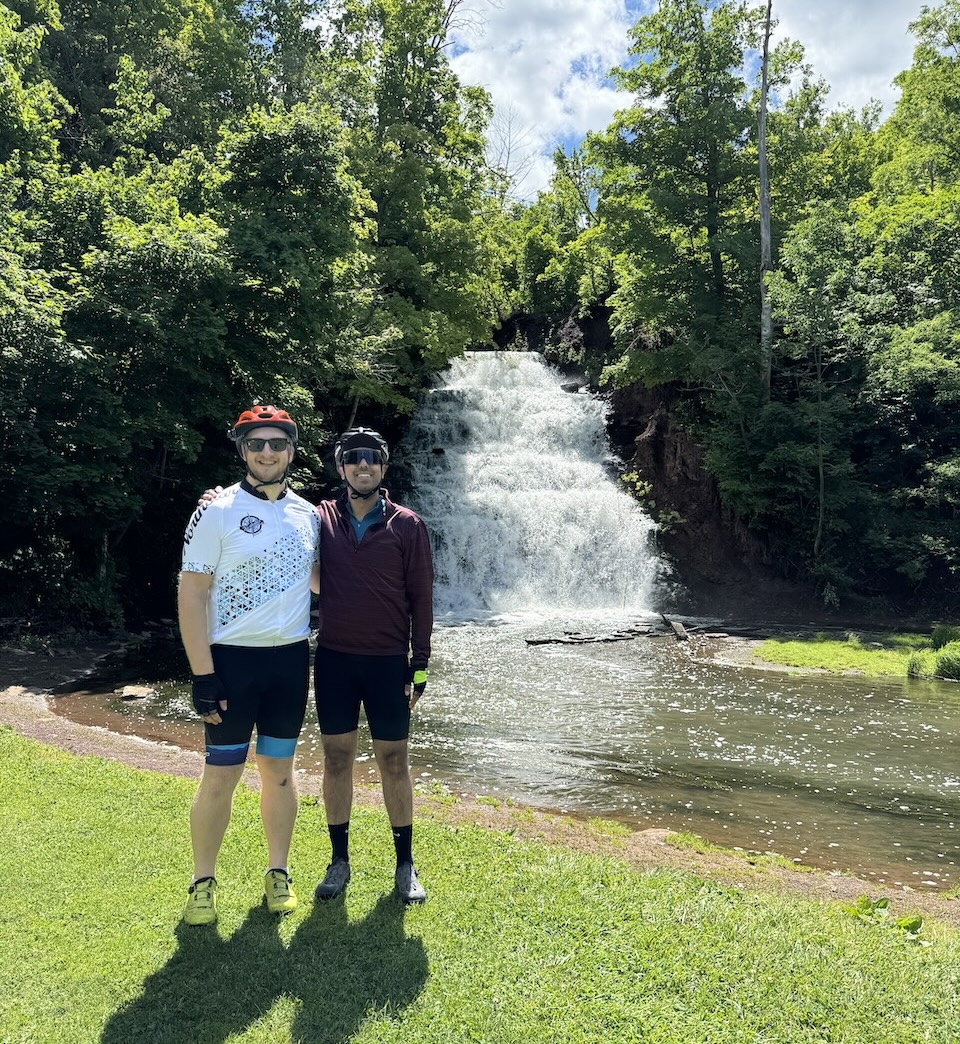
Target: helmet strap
[273, 482]
[355, 494]
[282, 481]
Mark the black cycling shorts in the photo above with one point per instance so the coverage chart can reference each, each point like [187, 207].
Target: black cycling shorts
[266, 688]
[342, 681]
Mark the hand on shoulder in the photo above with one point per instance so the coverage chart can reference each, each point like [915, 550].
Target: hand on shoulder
[209, 495]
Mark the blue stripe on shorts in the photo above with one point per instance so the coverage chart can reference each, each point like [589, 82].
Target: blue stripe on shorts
[227, 754]
[273, 747]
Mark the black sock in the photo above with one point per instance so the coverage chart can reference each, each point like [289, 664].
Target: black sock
[403, 843]
[339, 839]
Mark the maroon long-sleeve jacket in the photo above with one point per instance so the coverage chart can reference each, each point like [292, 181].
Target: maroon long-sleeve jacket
[376, 596]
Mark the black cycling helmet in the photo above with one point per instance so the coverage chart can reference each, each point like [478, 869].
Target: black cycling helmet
[359, 438]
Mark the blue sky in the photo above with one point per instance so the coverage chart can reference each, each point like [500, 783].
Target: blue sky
[545, 62]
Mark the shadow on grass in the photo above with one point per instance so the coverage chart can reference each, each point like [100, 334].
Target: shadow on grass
[336, 971]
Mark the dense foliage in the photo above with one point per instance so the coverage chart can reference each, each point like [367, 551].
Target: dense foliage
[208, 202]
[847, 463]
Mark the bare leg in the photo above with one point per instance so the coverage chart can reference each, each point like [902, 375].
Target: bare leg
[394, 765]
[210, 814]
[339, 754]
[278, 807]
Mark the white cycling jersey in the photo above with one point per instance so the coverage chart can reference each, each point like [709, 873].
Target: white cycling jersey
[260, 554]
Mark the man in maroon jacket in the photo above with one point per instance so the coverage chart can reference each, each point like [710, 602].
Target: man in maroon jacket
[376, 617]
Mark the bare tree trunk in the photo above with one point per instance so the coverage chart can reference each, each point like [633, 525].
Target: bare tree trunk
[353, 412]
[821, 476]
[766, 254]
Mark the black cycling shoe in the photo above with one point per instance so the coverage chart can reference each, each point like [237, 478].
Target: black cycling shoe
[334, 880]
[407, 886]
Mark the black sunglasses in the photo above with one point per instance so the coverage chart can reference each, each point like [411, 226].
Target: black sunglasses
[277, 445]
[367, 456]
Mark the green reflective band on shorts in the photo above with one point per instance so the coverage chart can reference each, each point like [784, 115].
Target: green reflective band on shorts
[419, 677]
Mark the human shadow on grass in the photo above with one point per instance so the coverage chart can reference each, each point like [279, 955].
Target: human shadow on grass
[338, 972]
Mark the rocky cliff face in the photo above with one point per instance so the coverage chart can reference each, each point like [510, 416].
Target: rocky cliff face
[720, 567]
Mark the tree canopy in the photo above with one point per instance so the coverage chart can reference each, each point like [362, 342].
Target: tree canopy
[846, 469]
[209, 202]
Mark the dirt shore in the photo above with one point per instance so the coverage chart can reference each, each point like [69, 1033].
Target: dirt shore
[27, 676]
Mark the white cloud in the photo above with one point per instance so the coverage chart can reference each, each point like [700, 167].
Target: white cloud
[857, 47]
[546, 62]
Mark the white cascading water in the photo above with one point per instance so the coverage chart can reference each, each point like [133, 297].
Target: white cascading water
[510, 473]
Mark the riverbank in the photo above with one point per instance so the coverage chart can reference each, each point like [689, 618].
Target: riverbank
[26, 708]
[845, 651]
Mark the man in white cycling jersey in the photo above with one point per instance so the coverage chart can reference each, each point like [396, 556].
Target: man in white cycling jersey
[244, 607]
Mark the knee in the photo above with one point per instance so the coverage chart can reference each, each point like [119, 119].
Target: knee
[337, 762]
[275, 775]
[217, 786]
[393, 761]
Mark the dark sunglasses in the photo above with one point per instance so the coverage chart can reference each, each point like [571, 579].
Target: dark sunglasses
[365, 456]
[277, 445]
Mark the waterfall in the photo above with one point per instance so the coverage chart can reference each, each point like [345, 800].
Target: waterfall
[512, 476]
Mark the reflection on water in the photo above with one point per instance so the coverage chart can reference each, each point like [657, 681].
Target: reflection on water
[847, 773]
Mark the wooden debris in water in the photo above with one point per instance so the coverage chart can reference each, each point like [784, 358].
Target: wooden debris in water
[575, 638]
[678, 629]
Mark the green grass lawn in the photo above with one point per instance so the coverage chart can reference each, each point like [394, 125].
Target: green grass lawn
[518, 942]
[885, 655]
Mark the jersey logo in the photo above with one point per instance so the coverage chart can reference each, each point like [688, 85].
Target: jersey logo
[251, 524]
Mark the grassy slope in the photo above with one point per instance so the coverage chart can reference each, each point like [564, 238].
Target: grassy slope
[518, 942]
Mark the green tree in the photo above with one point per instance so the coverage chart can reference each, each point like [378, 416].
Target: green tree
[806, 481]
[115, 381]
[679, 195]
[30, 107]
[922, 137]
[907, 302]
[417, 145]
[287, 40]
[563, 263]
[167, 319]
[296, 222]
[873, 291]
[675, 178]
[181, 67]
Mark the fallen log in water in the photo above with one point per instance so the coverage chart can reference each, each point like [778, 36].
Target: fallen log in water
[674, 627]
[572, 638]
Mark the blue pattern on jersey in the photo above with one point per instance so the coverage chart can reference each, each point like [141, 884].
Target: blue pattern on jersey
[263, 577]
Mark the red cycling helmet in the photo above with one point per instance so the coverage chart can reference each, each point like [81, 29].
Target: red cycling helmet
[261, 417]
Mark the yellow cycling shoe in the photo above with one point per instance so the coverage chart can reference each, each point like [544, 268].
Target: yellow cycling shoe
[278, 889]
[201, 905]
